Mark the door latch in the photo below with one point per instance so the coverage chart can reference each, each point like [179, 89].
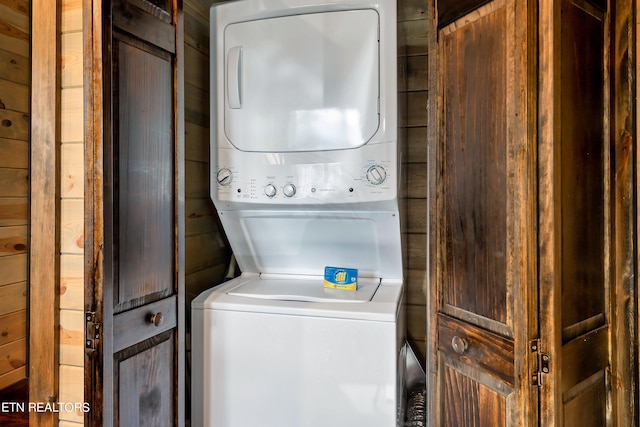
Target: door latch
[543, 362]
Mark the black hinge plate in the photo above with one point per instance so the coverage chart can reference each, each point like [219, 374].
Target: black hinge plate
[543, 361]
[92, 330]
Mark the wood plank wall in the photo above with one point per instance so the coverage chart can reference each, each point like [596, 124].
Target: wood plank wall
[207, 253]
[14, 187]
[412, 105]
[71, 373]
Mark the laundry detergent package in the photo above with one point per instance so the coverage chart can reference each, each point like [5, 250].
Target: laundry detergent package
[341, 278]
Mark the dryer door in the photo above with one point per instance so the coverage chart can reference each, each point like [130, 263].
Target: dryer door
[302, 82]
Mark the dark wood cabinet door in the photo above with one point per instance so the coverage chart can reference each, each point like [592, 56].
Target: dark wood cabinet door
[483, 227]
[521, 202]
[142, 343]
[575, 215]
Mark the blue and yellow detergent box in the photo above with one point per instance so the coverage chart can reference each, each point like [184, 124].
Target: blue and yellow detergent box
[341, 278]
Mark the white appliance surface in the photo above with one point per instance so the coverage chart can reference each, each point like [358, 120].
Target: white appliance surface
[304, 289]
[304, 103]
[305, 168]
[304, 242]
[274, 363]
[311, 85]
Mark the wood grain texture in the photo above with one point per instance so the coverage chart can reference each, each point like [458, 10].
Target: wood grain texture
[13, 297]
[14, 189]
[142, 209]
[146, 378]
[625, 164]
[13, 356]
[44, 272]
[13, 240]
[91, 22]
[14, 67]
[582, 167]
[469, 403]
[72, 340]
[482, 240]
[452, 10]
[487, 352]
[13, 326]
[14, 153]
[474, 181]
[207, 251]
[72, 60]
[145, 222]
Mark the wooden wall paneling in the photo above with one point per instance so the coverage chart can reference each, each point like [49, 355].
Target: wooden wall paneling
[14, 96]
[14, 153]
[72, 378]
[14, 295]
[14, 191]
[15, 21]
[72, 180]
[412, 103]
[624, 190]
[72, 60]
[13, 211]
[14, 67]
[71, 339]
[71, 281]
[43, 340]
[13, 240]
[90, 12]
[71, 18]
[13, 326]
[71, 304]
[197, 142]
[206, 247]
[14, 125]
[71, 124]
[635, 48]
[207, 252]
[14, 183]
[13, 356]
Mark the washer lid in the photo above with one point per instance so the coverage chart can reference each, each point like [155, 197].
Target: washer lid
[309, 289]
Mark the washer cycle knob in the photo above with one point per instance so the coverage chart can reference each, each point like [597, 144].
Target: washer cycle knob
[289, 190]
[224, 176]
[270, 190]
[376, 174]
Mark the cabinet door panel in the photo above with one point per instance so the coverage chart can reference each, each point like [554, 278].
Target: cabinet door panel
[484, 216]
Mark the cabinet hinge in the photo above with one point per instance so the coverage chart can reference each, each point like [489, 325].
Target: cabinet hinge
[542, 364]
[92, 330]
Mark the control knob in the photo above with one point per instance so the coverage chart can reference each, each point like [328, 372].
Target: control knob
[224, 176]
[376, 174]
[270, 190]
[289, 190]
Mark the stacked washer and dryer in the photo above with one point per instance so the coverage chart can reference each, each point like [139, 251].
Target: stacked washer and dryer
[305, 168]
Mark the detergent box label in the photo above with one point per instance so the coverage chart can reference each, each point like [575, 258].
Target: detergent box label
[341, 278]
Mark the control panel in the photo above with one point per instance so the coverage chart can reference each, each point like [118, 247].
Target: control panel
[291, 178]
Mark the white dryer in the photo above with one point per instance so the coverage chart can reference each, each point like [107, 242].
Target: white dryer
[304, 174]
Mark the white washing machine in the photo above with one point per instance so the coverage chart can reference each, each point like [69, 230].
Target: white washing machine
[304, 175]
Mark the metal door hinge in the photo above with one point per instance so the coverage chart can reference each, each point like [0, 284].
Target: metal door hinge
[542, 367]
[92, 330]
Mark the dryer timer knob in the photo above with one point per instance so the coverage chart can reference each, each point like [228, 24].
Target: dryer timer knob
[376, 174]
[224, 176]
